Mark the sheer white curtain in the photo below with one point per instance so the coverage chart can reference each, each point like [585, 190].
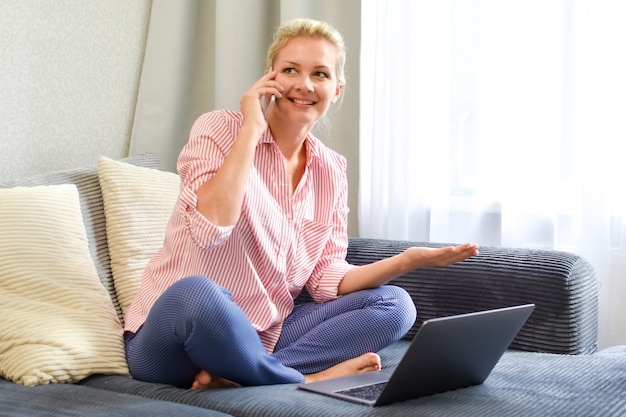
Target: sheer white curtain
[501, 122]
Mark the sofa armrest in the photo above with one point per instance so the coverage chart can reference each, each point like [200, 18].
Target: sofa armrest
[562, 285]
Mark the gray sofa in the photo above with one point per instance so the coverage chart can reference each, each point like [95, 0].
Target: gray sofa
[552, 368]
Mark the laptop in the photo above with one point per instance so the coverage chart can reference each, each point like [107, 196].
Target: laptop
[447, 353]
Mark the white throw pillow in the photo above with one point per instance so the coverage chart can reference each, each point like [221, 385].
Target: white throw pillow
[58, 321]
[138, 203]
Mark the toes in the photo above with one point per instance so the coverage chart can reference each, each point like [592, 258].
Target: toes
[202, 379]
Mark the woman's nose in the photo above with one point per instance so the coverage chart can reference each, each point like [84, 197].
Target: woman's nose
[304, 83]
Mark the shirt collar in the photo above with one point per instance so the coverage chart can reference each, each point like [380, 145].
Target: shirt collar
[311, 144]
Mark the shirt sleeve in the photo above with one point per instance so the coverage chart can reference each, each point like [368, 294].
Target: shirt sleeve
[332, 266]
[209, 142]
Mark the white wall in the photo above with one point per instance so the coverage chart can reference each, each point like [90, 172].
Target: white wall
[69, 72]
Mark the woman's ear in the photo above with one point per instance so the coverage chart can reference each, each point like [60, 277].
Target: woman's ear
[338, 91]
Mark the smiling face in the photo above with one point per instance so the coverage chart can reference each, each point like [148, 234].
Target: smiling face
[307, 69]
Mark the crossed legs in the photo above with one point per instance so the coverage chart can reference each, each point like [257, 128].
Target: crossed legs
[195, 331]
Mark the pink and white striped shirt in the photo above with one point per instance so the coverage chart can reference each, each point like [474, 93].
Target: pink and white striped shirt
[281, 243]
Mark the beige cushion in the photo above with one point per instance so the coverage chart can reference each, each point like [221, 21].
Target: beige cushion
[138, 203]
[86, 180]
[58, 321]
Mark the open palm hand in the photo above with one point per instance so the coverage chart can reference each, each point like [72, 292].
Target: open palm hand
[422, 256]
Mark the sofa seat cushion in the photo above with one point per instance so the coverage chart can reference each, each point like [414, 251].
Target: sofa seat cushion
[69, 400]
[59, 324]
[521, 384]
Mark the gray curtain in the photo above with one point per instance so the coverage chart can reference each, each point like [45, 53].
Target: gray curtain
[202, 55]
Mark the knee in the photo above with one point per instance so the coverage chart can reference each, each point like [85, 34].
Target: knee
[197, 284]
[404, 312]
[197, 291]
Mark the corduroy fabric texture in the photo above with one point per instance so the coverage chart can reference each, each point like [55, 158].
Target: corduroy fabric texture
[138, 203]
[92, 208]
[522, 384]
[562, 285]
[59, 324]
[66, 400]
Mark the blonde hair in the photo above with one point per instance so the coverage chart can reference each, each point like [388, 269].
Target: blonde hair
[311, 29]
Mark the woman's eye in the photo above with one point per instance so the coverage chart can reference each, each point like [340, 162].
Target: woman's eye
[289, 70]
[321, 74]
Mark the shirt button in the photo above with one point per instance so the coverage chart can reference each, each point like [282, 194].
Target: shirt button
[288, 216]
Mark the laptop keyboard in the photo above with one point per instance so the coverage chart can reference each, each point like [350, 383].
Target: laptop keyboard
[365, 392]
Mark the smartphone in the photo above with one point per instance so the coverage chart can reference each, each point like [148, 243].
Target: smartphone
[267, 103]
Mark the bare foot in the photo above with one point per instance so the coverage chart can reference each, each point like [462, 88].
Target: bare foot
[367, 362]
[205, 380]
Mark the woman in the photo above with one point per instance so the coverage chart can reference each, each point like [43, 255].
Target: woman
[262, 213]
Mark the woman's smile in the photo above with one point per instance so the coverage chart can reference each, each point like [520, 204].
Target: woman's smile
[302, 102]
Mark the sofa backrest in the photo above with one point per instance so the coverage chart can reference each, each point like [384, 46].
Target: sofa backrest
[563, 286]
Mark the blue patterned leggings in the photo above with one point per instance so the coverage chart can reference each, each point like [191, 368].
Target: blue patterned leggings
[196, 325]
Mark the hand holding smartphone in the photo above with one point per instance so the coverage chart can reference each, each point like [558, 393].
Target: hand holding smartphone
[267, 102]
